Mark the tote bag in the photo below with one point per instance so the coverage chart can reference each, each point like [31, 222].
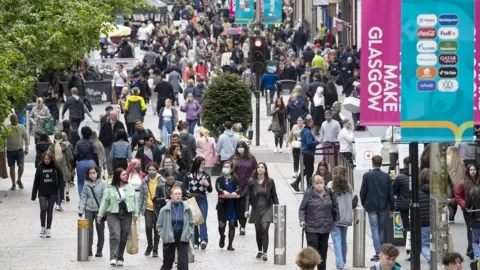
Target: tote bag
[196, 213]
[132, 240]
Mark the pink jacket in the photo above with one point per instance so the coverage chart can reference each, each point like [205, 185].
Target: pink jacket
[206, 149]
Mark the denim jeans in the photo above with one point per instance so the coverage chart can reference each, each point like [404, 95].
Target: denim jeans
[339, 239]
[203, 205]
[191, 127]
[426, 243]
[377, 225]
[475, 241]
[166, 130]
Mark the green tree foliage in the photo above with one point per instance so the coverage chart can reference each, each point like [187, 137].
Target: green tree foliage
[39, 35]
[227, 99]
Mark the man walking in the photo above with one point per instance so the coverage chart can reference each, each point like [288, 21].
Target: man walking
[376, 195]
[227, 143]
[16, 151]
[107, 135]
[76, 108]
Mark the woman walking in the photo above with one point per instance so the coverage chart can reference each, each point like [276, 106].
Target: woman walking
[85, 155]
[318, 214]
[278, 124]
[120, 206]
[322, 170]
[244, 166]
[206, 148]
[198, 183]
[135, 174]
[175, 227]
[347, 201]
[168, 163]
[46, 185]
[147, 208]
[38, 115]
[64, 157]
[89, 204]
[167, 120]
[261, 195]
[228, 208]
[192, 109]
[294, 140]
[121, 152]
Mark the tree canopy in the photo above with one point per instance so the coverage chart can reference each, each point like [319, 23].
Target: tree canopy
[39, 35]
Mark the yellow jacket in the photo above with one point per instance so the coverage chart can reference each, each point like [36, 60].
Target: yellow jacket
[135, 99]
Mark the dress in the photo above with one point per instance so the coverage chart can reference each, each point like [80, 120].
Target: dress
[261, 212]
[231, 214]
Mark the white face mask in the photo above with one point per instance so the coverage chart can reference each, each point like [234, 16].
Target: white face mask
[241, 150]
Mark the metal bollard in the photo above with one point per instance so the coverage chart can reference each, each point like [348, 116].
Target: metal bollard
[269, 103]
[82, 240]
[288, 126]
[359, 237]
[191, 253]
[280, 237]
[169, 138]
[302, 169]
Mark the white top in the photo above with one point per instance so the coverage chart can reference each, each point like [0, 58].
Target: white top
[143, 33]
[393, 132]
[118, 80]
[135, 180]
[167, 113]
[345, 138]
[318, 100]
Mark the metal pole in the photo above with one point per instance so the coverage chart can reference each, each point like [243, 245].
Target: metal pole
[302, 184]
[82, 240]
[280, 237]
[257, 118]
[438, 204]
[269, 103]
[169, 138]
[27, 123]
[258, 11]
[415, 225]
[359, 237]
[191, 253]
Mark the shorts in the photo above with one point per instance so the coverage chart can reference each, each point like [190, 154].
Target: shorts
[15, 156]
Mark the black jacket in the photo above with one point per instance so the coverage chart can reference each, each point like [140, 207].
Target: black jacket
[162, 193]
[308, 55]
[145, 90]
[251, 195]
[85, 150]
[40, 148]
[224, 203]
[76, 108]
[319, 212]
[401, 190]
[72, 137]
[164, 90]
[138, 136]
[289, 73]
[473, 203]
[424, 201]
[157, 156]
[186, 157]
[376, 193]
[312, 88]
[107, 133]
[48, 180]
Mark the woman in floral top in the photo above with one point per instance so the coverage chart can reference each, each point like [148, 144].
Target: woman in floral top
[39, 114]
[244, 164]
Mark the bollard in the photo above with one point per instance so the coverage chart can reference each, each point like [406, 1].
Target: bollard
[288, 127]
[269, 103]
[27, 124]
[82, 238]
[191, 253]
[302, 171]
[359, 237]
[169, 138]
[280, 236]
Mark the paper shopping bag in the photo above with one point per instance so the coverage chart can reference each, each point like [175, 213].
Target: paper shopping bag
[196, 213]
[132, 240]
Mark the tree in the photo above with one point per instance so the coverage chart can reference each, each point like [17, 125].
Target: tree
[227, 99]
[39, 35]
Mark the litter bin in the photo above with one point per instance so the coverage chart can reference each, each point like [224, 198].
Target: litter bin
[285, 87]
[394, 230]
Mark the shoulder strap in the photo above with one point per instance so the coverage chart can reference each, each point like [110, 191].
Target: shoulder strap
[95, 197]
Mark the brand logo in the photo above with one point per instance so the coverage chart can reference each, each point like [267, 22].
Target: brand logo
[448, 72]
[426, 46]
[425, 20]
[448, 85]
[426, 72]
[427, 33]
[448, 59]
[426, 59]
[426, 85]
[448, 33]
[448, 19]
[448, 46]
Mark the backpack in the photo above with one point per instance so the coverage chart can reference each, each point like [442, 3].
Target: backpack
[88, 104]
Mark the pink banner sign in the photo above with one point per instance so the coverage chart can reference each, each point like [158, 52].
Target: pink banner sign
[476, 81]
[233, 6]
[380, 63]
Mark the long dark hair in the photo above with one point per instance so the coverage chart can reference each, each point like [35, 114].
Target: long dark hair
[196, 165]
[255, 174]
[282, 105]
[340, 185]
[116, 177]
[121, 135]
[243, 145]
[468, 181]
[97, 169]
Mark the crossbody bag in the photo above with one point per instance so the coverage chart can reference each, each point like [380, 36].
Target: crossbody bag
[95, 197]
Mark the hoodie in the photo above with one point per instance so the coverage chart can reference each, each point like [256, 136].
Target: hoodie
[396, 266]
[87, 200]
[226, 144]
[47, 181]
[189, 141]
[309, 143]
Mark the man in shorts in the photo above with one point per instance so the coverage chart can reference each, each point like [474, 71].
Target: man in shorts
[16, 150]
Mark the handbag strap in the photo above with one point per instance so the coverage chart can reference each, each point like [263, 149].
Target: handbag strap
[303, 236]
[95, 197]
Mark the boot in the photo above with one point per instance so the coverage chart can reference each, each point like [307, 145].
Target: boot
[294, 185]
[99, 253]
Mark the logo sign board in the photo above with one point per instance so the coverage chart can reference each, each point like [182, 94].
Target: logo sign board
[426, 85]
[426, 46]
[448, 33]
[426, 72]
[448, 19]
[366, 148]
[448, 46]
[424, 59]
[427, 20]
[448, 72]
[448, 59]
[448, 85]
[427, 33]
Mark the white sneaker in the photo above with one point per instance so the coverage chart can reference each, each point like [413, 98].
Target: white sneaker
[119, 263]
[42, 232]
[275, 150]
[48, 233]
[280, 150]
[113, 262]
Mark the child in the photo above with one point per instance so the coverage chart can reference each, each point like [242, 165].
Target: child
[90, 200]
[47, 184]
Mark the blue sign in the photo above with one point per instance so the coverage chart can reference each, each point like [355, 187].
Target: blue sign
[437, 99]
[272, 12]
[244, 11]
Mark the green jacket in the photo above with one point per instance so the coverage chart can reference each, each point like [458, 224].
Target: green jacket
[165, 228]
[109, 202]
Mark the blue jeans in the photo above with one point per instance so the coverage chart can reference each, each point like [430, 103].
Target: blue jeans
[339, 238]
[475, 241]
[167, 129]
[203, 205]
[426, 243]
[377, 225]
[191, 127]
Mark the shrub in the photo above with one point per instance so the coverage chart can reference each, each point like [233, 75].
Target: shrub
[227, 99]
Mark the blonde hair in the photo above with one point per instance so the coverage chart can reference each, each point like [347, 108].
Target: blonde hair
[204, 133]
[58, 147]
[453, 156]
[190, 83]
[308, 258]
[297, 88]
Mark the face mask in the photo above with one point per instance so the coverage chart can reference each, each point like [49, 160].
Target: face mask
[201, 169]
[226, 171]
[168, 167]
[152, 174]
[241, 150]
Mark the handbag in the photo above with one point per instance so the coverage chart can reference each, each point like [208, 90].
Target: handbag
[49, 126]
[196, 213]
[95, 197]
[296, 144]
[132, 240]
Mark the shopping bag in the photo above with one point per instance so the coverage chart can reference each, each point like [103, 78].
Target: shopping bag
[352, 104]
[196, 213]
[132, 240]
[49, 126]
